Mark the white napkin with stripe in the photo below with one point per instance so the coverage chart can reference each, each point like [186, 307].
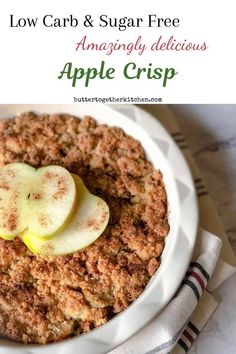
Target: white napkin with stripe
[178, 325]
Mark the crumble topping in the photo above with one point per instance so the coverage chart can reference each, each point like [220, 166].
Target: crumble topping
[48, 299]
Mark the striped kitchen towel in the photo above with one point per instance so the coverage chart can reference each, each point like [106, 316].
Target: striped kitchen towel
[178, 325]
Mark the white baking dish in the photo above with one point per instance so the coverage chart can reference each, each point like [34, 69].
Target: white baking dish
[183, 218]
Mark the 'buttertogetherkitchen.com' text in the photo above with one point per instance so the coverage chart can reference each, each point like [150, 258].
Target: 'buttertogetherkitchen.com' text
[111, 99]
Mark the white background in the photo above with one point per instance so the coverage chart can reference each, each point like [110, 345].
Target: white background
[32, 58]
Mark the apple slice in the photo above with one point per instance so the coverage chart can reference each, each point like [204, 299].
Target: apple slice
[15, 184]
[89, 221]
[52, 200]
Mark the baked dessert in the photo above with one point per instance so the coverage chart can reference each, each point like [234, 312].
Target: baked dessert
[50, 298]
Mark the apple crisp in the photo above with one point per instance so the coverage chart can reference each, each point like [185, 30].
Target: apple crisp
[47, 299]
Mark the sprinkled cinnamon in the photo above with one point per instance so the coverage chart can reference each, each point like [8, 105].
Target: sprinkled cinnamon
[36, 196]
[44, 220]
[4, 185]
[11, 220]
[92, 223]
[62, 189]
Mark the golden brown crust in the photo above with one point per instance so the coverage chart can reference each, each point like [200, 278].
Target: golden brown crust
[47, 299]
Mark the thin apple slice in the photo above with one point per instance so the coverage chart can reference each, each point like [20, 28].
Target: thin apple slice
[52, 200]
[15, 184]
[89, 221]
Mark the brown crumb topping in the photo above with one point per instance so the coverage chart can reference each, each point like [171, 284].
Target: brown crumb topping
[48, 299]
